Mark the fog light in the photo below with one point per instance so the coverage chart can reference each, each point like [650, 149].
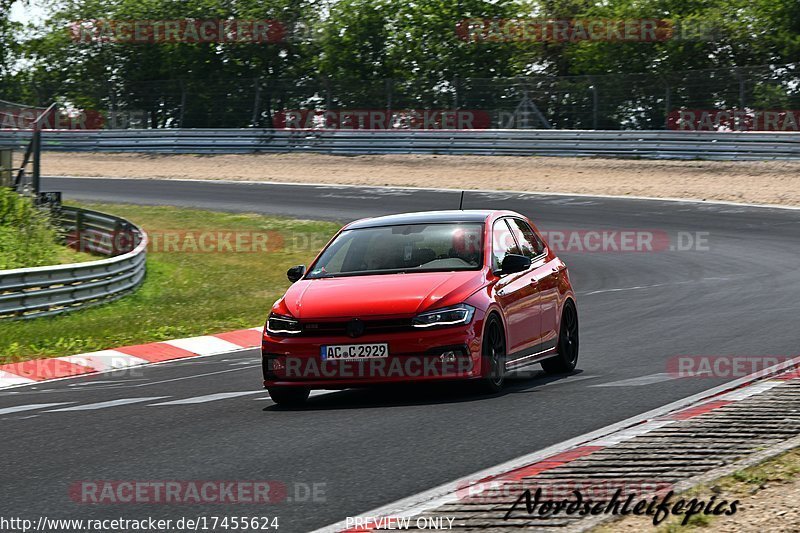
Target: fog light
[448, 357]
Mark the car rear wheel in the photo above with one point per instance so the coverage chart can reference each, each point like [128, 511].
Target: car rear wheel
[289, 396]
[567, 356]
[494, 355]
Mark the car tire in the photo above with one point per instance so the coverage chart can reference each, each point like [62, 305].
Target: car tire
[567, 357]
[289, 396]
[493, 351]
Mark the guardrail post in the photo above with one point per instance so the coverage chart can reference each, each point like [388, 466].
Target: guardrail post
[79, 230]
[124, 240]
[389, 86]
[328, 94]
[667, 106]
[37, 162]
[595, 101]
[256, 104]
[116, 244]
[183, 101]
[741, 88]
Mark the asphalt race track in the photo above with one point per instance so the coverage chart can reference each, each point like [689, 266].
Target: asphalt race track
[739, 295]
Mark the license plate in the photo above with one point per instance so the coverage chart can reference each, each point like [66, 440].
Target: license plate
[354, 352]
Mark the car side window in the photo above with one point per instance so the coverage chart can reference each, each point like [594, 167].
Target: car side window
[503, 243]
[527, 239]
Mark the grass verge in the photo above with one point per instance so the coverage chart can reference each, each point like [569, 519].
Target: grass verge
[187, 292]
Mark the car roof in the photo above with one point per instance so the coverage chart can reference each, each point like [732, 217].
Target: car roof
[424, 217]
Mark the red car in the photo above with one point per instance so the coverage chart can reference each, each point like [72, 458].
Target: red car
[443, 295]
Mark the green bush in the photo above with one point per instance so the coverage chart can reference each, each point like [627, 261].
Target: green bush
[28, 236]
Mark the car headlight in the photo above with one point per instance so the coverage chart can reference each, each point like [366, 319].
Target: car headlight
[448, 316]
[283, 325]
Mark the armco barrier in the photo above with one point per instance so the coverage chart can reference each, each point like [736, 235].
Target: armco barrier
[623, 144]
[49, 290]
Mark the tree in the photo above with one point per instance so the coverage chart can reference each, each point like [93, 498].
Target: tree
[400, 54]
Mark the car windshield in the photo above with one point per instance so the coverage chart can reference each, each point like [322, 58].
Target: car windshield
[404, 248]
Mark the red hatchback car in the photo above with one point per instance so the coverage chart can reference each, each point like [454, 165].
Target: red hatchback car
[443, 295]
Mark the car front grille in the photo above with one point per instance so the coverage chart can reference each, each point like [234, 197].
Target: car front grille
[339, 328]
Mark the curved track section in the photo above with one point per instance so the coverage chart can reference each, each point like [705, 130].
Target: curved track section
[737, 294]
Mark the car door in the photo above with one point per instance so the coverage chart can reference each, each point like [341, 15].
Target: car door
[533, 248]
[517, 294]
[546, 273]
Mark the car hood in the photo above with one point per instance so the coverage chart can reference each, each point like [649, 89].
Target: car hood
[379, 295]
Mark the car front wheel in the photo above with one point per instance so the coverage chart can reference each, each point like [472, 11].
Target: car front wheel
[494, 355]
[567, 356]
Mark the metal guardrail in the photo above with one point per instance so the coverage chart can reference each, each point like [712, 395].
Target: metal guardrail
[50, 290]
[622, 144]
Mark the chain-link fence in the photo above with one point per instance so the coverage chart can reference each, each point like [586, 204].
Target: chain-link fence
[605, 102]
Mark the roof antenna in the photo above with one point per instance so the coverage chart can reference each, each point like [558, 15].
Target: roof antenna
[461, 203]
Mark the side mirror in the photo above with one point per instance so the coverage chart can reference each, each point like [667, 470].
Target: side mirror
[295, 273]
[513, 263]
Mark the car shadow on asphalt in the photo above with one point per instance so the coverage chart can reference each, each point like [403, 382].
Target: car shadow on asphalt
[396, 395]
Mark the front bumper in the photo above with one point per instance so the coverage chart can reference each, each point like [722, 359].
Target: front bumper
[414, 356]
